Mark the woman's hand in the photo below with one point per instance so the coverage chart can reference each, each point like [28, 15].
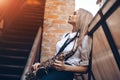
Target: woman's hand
[59, 65]
[35, 66]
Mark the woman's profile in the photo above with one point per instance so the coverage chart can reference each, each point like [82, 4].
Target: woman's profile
[80, 46]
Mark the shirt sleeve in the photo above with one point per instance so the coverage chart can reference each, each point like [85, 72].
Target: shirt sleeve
[85, 50]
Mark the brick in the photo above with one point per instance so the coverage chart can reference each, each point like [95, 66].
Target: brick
[52, 16]
[59, 3]
[59, 21]
[55, 24]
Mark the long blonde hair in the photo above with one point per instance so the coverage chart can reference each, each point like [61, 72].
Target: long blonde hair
[84, 18]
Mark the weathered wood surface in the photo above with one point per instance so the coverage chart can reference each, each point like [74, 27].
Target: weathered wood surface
[104, 65]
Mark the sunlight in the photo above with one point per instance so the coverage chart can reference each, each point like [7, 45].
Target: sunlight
[36, 2]
[3, 2]
[89, 5]
[1, 23]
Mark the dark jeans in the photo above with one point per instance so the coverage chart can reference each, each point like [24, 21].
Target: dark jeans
[58, 75]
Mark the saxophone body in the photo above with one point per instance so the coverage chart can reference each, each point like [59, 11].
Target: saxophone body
[42, 68]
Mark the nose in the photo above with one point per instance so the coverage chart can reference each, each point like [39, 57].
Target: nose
[69, 17]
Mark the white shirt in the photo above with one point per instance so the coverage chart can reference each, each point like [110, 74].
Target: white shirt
[81, 55]
[62, 41]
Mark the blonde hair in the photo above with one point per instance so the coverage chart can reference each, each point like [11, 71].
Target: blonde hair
[84, 18]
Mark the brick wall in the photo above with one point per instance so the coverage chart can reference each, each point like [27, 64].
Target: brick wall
[55, 24]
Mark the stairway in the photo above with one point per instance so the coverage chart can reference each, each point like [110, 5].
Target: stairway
[16, 42]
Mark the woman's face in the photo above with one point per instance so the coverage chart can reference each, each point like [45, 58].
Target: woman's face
[73, 18]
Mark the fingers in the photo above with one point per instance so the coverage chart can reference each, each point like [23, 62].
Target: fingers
[58, 65]
[35, 66]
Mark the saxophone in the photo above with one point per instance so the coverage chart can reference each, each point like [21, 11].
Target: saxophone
[42, 68]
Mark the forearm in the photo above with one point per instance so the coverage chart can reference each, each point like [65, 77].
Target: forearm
[75, 68]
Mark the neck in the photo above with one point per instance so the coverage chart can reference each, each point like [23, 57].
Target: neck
[74, 28]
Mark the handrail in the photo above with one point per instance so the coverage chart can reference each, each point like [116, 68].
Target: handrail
[33, 53]
[0, 32]
[1, 26]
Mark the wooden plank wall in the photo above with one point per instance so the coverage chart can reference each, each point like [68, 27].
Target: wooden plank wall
[104, 65]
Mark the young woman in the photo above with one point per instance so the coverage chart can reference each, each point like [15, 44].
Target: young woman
[78, 62]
